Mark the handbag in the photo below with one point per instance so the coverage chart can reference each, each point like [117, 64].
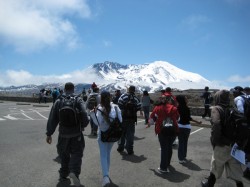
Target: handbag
[168, 128]
[114, 132]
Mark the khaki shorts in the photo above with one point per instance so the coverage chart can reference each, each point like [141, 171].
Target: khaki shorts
[221, 159]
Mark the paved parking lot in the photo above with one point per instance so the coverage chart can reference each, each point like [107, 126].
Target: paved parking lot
[26, 160]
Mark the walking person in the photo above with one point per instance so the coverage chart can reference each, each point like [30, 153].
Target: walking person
[222, 141]
[170, 97]
[55, 94]
[240, 95]
[184, 127]
[71, 141]
[207, 102]
[116, 96]
[92, 102]
[93, 85]
[45, 95]
[41, 95]
[171, 100]
[104, 111]
[159, 114]
[129, 105]
[145, 105]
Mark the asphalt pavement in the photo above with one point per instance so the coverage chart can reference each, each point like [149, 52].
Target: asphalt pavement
[26, 160]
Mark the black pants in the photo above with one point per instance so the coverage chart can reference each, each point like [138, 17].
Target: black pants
[93, 126]
[166, 143]
[247, 150]
[207, 111]
[127, 139]
[71, 152]
[183, 142]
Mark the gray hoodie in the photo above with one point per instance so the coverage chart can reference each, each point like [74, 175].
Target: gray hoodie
[222, 101]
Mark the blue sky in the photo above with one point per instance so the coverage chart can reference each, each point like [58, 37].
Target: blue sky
[44, 38]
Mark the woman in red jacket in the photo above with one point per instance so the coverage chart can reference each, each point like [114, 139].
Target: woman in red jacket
[161, 112]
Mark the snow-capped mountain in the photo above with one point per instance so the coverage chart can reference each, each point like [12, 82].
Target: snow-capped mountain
[153, 76]
[111, 75]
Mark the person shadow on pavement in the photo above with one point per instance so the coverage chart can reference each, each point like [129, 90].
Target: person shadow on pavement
[133, 158]
[192, 166]
[172, 176]
[112, 184]
[137, 138]
[66, 183]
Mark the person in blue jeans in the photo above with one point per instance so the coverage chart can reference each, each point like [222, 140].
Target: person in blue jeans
[104, 111]
[184, 127]
[129, 118]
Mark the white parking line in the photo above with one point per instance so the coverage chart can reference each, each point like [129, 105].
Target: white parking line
[196, 131]
[27, 116]
[10, 117]
[41, 115]
[140, 121]
[1, 119]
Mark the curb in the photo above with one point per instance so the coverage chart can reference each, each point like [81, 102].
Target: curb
[40, 105]
[23, 104]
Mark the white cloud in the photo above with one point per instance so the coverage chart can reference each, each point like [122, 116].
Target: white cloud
[30, 25]
[239, 79]
[22, 77]
[19, 77]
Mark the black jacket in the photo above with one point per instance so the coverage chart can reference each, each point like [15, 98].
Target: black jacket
[206, 96]
[53, 120]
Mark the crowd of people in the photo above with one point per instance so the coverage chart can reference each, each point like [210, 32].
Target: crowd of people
[170, 115]
[45, 93]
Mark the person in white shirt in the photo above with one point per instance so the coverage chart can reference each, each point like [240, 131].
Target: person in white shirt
[239, 94]
[105, 110]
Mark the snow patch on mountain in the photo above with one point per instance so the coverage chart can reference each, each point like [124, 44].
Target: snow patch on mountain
[153, 76]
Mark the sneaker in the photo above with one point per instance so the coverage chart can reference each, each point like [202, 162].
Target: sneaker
[147, 126]
[63, 179]
[130, 152]
[120, 149]
[57, 159]
[204, 183]
[182, 161]
[75, 179]
[105, 181]
[176, 141]
[163, 170]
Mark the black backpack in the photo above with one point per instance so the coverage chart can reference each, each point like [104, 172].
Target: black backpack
[114, 132]
[130, 109]
[92, 102]
[68, 111]
[235, 127]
